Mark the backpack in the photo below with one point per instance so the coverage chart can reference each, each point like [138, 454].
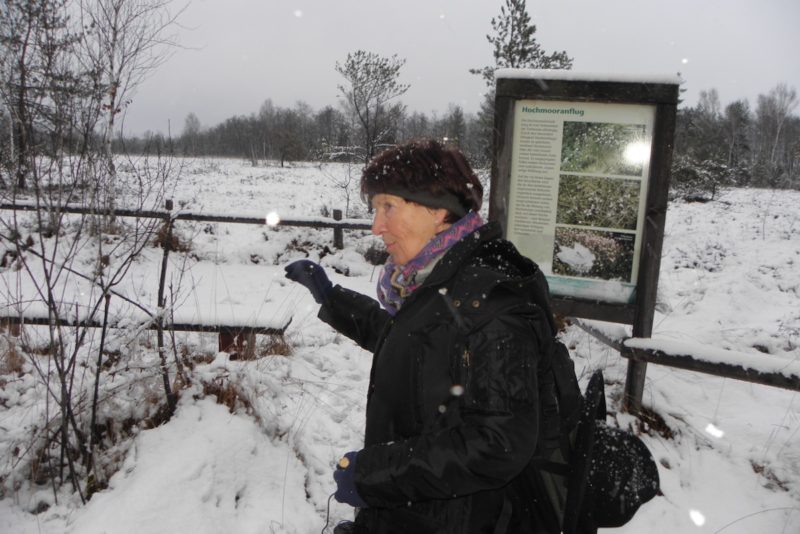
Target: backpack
[604, 476]
[584, 474]
[594, 475]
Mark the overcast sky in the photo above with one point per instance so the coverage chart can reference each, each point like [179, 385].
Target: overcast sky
[238, 53]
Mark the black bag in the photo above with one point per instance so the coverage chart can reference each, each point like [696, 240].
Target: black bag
[596, 475]
[585, 474]
[611, 472]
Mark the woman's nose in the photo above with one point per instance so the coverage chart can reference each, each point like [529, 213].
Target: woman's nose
[377, 224]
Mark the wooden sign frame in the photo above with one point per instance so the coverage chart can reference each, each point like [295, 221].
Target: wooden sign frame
[568, 93]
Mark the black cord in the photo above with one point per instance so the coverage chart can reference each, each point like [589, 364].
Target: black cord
[328, 513]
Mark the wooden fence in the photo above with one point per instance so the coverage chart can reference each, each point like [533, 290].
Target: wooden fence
[337, 223]
[769, 370]
[238, 339]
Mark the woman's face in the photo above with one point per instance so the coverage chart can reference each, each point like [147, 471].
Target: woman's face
[405, 227]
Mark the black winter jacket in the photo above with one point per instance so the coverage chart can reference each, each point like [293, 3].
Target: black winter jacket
[453, 409]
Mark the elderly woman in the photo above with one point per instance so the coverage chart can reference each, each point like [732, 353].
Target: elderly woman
[453, 409]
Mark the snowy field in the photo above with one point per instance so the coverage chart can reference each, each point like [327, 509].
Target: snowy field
[728, 451]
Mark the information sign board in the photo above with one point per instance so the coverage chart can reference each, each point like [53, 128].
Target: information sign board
[578, 190]
[579, 183]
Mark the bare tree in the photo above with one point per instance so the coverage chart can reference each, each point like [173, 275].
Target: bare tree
[124, 41]
[191, 133]
[773, 151]
[372, 81]
[779, 105]
[288, 135]
[735, 123]
[344, 177]
[40, 78]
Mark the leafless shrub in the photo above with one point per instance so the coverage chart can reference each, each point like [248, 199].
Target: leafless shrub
[65, 78]
[274, 345]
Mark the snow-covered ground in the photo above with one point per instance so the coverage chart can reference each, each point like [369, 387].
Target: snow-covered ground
[728, 451]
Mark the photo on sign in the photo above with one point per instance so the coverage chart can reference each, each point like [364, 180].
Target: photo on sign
[604, 148]
[593, 254]
[598, 202]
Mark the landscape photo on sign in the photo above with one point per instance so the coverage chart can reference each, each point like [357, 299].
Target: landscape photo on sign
[593, 254]
[598, 208]
[603, 148]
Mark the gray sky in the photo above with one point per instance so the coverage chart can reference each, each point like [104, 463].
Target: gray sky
[238, 53]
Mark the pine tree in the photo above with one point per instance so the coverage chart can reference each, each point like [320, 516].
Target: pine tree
[700, 166]
[514, 47]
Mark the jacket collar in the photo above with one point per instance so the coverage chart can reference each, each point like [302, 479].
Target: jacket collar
[454, 259]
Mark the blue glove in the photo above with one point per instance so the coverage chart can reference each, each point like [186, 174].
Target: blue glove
[345, 477]
[311, 275]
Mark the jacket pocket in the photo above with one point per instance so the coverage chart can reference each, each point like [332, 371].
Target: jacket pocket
[433, 349]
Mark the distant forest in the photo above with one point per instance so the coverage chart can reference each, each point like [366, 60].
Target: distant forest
[737, 144]
[714, 145]
[301, 133]
[64, 91]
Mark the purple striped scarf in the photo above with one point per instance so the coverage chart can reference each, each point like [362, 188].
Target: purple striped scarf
[397, 282]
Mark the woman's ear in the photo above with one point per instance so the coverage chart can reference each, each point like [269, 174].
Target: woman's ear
[441, 215]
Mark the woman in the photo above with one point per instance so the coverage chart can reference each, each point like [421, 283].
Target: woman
[453, 410]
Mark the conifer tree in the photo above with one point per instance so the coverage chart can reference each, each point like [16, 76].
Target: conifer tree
[515, 46]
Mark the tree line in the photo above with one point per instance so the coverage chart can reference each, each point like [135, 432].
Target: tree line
[737, 145]
[370, 115]
[301, 133]
[714, 146]
[69, 67]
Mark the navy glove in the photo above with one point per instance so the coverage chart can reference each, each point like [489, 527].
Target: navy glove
[311, 275]
[345, 477]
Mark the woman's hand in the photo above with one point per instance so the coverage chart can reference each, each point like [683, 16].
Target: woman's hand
[312, 276]
[345, 477]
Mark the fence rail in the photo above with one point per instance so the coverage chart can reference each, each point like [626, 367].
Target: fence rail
[786, 379]
[236, 338]
[336, 222]
[16, 320]
[783, 373]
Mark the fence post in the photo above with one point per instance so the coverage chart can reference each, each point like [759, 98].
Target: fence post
[338, 234]
[162, 303]
[239, 343]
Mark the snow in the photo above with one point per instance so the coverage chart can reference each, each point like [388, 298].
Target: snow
[208, 458]
[585, 76]
[729, 463]
[209, 298]
[579, 257]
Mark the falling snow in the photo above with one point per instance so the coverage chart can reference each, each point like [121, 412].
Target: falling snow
[728, 452]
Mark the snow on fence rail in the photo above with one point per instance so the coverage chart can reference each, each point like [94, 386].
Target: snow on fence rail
[757, 368]
[337, 223]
